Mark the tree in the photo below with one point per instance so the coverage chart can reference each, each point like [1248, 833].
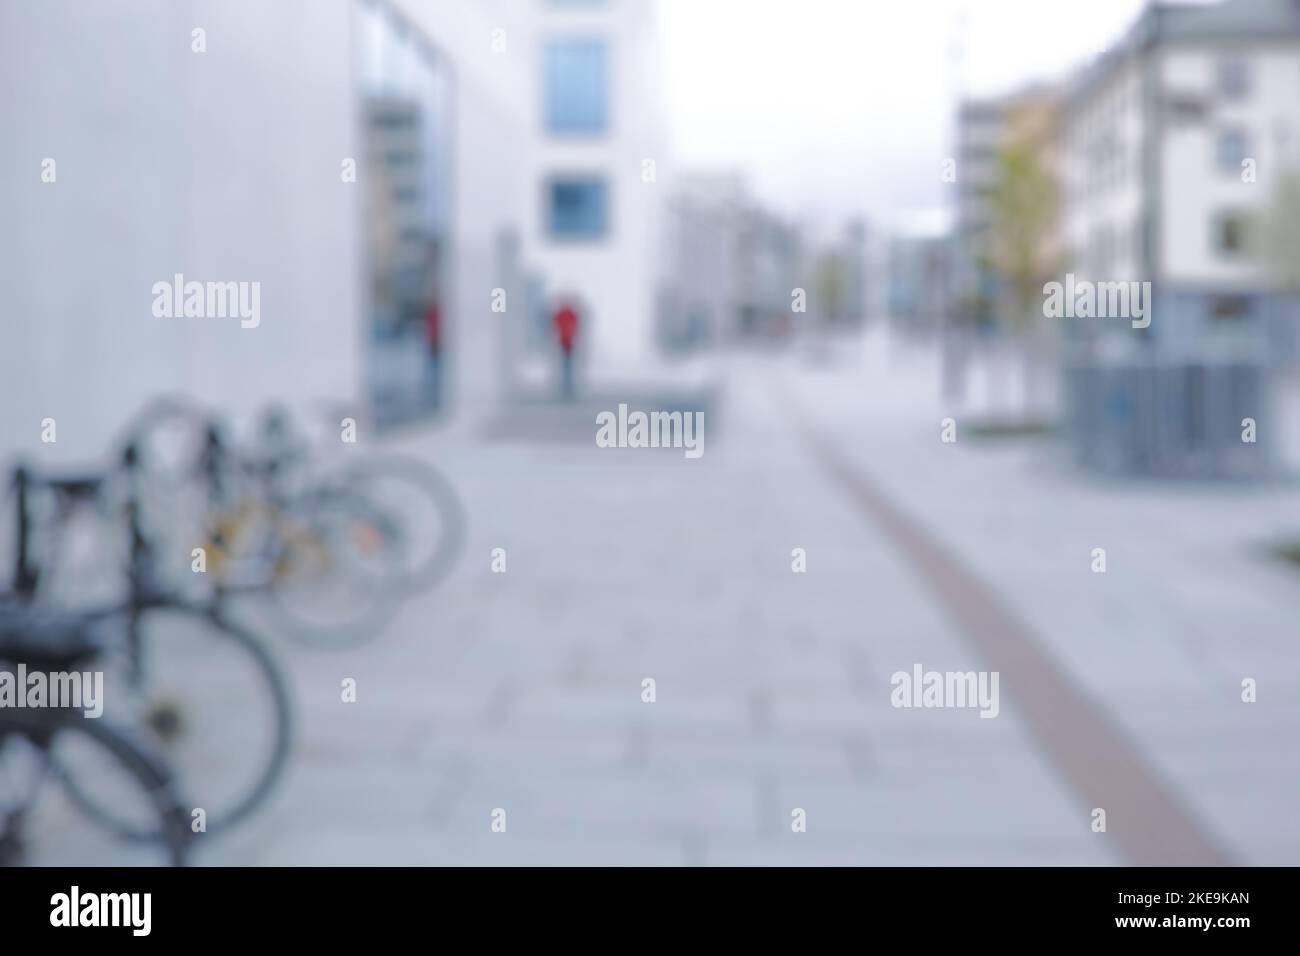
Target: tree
[1278, 238]
[1021, 244]
[1023, 212]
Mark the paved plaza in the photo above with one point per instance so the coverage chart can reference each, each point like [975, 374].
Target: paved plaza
[522, 691]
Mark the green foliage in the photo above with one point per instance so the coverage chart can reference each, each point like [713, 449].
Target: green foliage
[1278, 238]
[1023, 207]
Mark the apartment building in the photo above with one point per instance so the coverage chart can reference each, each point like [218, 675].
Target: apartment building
[698, 298]
[981, 131]
[1173, 144]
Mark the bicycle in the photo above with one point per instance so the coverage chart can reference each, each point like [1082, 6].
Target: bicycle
[164, 641]
[46, 740]
[334, 549]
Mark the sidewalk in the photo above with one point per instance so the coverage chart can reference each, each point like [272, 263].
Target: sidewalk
[1189, 605]
[522, 690]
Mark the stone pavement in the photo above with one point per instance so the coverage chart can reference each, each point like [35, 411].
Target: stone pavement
[523, 690]
[1190, 605]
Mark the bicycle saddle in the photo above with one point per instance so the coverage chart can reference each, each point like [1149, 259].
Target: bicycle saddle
[75, 486]
[50, 640]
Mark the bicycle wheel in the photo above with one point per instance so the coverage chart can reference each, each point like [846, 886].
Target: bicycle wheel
[40, 825]
[333, 576]
[419, 514]
[210, 699]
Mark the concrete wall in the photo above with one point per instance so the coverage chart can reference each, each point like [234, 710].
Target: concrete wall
[222, 165]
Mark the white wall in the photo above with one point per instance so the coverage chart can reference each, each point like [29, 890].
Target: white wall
[1105, 199]
[223, 165]
[617, 277]
[1194, 188]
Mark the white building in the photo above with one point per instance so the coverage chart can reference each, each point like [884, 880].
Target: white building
[1172, 145]
[146, 138]
[698, 301]
[293, 144]
[598, 162]
[732, 267]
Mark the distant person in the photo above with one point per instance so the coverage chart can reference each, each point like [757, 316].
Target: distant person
[433, 341]
[566, 335]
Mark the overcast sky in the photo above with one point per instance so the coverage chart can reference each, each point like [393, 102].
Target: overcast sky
[839, 105]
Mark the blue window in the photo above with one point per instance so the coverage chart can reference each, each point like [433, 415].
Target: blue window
[576, 86]
[578, 208]
[1230, 148]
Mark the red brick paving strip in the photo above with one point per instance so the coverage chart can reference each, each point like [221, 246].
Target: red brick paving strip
[1145, 820]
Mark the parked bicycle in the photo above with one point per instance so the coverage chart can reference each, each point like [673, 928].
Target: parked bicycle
[141, 570]
[203, 690]
[41, 746]
[336, 548]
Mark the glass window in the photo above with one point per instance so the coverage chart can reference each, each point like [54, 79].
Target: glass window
[576, 86]
[1230, 234]
[1230, 150]
[1229, 308]
[1234, 81]
[578, 208]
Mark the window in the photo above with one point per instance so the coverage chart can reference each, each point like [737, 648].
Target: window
[1230, 149]
[1230, 234]
[1185, 108]
[576, 87]
[1229, 308]
[1233, 79]
[578, 208]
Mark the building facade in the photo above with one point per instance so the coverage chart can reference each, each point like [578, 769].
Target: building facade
[598, 165]
[981, 131]
[146, 139]
[1175, 143]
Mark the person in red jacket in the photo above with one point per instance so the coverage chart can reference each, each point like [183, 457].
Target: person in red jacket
[433, 340]
[565, 323]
